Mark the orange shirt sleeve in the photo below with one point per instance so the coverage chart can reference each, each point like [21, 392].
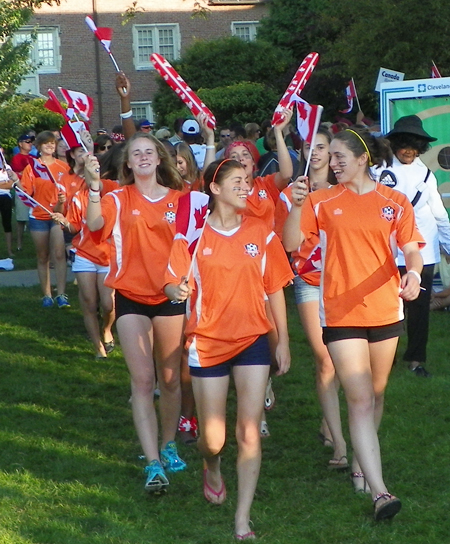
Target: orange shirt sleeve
[179, 262]
[308, 221]
[277, 273]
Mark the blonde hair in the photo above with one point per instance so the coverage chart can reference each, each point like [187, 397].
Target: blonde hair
[167, 174]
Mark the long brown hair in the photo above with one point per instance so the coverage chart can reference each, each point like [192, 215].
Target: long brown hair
[167, 174]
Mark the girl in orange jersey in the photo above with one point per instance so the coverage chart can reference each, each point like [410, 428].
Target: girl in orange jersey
[360, 223]
[47, 235]
[91, 264]
[306, 264]
[139, 220]
[264, 191]
[187, 167]
[239, 259]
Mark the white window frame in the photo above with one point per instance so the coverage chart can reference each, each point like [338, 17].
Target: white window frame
[38, 66]
[147, 106]
[156, 46]
[253, 27]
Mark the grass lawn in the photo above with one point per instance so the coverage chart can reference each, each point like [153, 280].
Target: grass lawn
[70, 472]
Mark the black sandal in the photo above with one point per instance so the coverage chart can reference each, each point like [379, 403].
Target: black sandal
[390, 507]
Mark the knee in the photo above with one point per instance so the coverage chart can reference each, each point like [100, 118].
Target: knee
[143, 384]
[361, 404]
[325, 370]
[248, 435]
[170, 380]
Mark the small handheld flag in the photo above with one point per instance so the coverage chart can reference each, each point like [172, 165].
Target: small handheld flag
[296, 86]
[53, 104]
[182, 89]
[190, 217]
[350, 92]
[81, 103]
[29, 200]
[104, 36]
[70, 133]
[434, 70]
[308, 120]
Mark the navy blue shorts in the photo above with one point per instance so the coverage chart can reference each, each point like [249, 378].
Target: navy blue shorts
[371, 334]
[126, 306]
[257, 353]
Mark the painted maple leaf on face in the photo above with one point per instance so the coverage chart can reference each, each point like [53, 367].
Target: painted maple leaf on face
[199, 216]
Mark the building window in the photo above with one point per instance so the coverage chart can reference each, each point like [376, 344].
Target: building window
[245, 30]
[142, 110]
[147, 39]
[44, 53]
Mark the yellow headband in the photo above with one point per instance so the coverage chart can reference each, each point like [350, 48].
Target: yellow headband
[364, 144]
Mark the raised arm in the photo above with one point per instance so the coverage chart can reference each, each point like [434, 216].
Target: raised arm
[292, 235]
[122, 82]
[283, 177]
[94, 218]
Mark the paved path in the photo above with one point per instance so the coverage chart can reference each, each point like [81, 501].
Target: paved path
[27, 278]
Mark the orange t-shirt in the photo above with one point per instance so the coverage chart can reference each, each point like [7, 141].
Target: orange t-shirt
[72, 183]
[359, 235]
[232, 272]
[88, 244]
[262, 198]
[44, 191]
[141, 232]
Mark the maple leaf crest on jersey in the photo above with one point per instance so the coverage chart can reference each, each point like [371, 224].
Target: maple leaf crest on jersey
[251, 249]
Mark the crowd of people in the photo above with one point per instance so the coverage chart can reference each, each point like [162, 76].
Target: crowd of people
[187, 321]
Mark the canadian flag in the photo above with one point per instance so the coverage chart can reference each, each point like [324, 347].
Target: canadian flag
[25, 198]
[71, 134]
[53, 104]
[434, 70]
[350, 92]
[191, 216]
[103, 34]
[308, 119]
[81, 103]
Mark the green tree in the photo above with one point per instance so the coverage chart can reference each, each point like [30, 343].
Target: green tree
[14, 59]
[217, 69]
[19, 114]
[354, 39]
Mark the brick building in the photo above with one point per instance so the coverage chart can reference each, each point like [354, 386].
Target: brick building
[68, 55]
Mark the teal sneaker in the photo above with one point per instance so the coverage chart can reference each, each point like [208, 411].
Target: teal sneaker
[156, 477]
[62, 301]
[170, 460]
[47, 302]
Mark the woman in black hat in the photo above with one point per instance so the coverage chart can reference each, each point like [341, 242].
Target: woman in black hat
[409, 175]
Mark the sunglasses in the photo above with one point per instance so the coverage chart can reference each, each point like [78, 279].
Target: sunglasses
[105, 147]
[27, 141]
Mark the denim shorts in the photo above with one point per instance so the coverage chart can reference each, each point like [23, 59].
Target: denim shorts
[257, 353]
[41, 225]
[81, 264]
[304, 292]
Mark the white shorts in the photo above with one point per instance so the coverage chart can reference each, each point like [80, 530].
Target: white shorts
[80, 264]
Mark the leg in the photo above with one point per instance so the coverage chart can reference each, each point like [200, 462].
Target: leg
[88, 295]
[187, 401]
[58, 250]
[107, 305]
[352, 360]
[211, 398]
[417, 320]
[326, 379]
[135, 338]
[250, 388]
[168, 338]
[41, 240]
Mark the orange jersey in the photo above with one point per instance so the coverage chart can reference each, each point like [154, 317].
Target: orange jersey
[87, 244]
[305, 260]
[44, 191]
[262, 198]
[359, 236]
[141, 232]
[72, 183]
[232, 272]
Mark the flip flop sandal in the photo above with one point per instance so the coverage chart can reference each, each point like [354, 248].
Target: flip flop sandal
[390, 507]
[338, 464]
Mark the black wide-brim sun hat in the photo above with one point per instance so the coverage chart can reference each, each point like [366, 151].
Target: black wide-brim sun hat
[410, 124]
